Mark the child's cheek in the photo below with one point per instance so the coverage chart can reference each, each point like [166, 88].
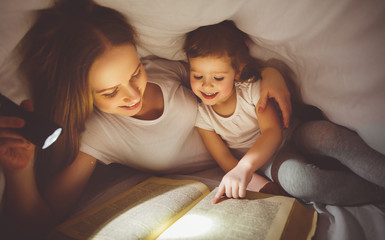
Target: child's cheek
[194, 87]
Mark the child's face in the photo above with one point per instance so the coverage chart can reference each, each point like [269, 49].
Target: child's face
[212, 79]
[118, 81]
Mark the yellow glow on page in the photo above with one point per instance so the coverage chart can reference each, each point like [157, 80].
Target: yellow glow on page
[189, 226]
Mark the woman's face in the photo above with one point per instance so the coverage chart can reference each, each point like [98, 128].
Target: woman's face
[118, 81]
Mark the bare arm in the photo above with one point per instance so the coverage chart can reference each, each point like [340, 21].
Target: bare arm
[67, 187]
[274, 86]
[267, 143]
[25, 206]
[36, 212]
[218, 149]
[234, 183]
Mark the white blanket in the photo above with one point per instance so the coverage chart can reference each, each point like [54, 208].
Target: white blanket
[336, 49]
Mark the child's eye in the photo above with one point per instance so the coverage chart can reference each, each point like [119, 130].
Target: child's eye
[110, 95]
[198, 77]
[219, 78]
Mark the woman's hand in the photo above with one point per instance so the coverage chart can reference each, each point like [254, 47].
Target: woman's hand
[274, 86]
[234, 183]
[15, 151]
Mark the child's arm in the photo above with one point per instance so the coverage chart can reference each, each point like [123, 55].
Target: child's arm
[273, 85]
[225, 158]
[218, 149]
[234, 183]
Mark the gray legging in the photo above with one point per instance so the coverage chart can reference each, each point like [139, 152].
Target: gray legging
[363, 182]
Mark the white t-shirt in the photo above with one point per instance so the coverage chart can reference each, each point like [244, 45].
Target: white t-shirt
[167, 144]
[241, 129]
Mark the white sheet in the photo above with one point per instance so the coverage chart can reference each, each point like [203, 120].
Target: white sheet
[355, 223]
[334, 47]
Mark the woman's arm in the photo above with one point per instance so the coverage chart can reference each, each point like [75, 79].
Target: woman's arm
[35, 212]
[25, 206]
[68, 185]
[273, 85]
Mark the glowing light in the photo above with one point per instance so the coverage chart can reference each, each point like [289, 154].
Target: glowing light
[189, 226]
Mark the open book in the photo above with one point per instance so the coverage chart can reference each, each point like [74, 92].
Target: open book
[163, 208]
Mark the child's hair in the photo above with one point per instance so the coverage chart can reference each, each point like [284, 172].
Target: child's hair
[58, 52]
[223, 39]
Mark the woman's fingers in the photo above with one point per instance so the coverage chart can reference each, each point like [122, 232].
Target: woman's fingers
[286, 109]
[283, 102]
[11, 122]
[15, 122]
[262, 102]
[27, 105]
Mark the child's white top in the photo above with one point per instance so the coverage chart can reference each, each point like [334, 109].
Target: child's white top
[169, 143]
[241, 129]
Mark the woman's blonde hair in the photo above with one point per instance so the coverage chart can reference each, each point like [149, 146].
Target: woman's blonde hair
[58, 52]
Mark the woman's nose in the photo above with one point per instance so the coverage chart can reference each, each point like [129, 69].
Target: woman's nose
[130, 94]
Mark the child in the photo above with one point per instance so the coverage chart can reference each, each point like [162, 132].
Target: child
[85, 74]
[219, 57]
[225, 78]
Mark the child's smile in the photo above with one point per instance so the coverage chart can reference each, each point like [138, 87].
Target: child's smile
[212, 79]
[209, 95]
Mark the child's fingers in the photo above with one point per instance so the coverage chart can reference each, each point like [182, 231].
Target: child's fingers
[219, 194]
[229, 192]
[242, 191]
[235, 190]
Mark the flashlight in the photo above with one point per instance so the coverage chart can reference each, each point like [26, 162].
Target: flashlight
[39, 130]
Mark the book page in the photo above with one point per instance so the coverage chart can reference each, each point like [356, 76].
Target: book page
[142, 212]
[103, 192]
[258, 216]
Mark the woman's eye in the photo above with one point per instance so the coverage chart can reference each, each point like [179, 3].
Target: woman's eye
[219, 78]
[110, 95]
[198, 77]
[137, 75]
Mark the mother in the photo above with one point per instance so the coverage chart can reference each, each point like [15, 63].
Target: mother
[83, 66]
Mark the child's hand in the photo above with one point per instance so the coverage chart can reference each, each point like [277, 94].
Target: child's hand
[15, 151]
[234, 183]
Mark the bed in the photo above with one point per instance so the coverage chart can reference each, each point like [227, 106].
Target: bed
[335, 49]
